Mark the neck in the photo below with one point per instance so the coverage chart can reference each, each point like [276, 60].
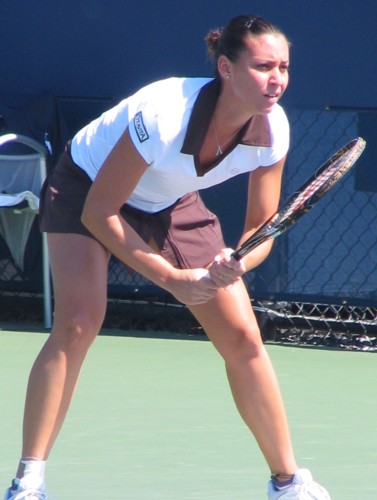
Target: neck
[230, 113]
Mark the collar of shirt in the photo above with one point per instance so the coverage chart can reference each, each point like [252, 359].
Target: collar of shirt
[255, 132]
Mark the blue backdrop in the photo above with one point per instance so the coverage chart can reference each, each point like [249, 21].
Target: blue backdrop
[109, 48]
[91, 53]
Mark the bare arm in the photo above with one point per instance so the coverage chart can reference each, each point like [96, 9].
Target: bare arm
[113, 185]
[263, 201]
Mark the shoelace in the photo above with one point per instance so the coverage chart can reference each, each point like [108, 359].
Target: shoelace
[305, 491]
[30, 494]
[311, 490]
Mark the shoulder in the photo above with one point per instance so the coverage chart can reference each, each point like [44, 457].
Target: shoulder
[279, 127]
[169, 90]
[165, 101]
[278, 118]
[159, 112]
[280, 137]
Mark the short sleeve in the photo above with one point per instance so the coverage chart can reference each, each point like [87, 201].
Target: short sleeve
[280, 137]
[143, 128]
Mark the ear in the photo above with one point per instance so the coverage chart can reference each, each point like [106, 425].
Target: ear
[224, 67]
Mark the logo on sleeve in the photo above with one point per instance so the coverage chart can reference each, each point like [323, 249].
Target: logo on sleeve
[140, 127]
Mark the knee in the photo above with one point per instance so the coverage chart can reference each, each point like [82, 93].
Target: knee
[76, 332]
[246, 344]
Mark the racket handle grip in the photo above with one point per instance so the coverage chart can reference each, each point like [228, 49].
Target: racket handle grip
[236, 256]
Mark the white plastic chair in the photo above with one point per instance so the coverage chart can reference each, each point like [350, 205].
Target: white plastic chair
[21, 178]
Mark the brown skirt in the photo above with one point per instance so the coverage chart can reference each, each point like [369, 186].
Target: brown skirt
[187, 233]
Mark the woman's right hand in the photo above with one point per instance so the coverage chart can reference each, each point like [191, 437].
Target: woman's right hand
[191, 286]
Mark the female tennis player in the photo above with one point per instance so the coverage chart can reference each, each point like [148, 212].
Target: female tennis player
[128, 185]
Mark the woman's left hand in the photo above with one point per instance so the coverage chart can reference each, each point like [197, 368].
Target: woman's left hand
[224, 270]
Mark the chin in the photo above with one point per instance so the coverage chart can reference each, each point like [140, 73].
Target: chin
[266, 111]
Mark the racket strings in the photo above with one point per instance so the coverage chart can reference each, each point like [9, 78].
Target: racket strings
[330, 174]
[301, 202]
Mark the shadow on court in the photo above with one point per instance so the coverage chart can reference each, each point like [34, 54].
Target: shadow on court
[153, 419]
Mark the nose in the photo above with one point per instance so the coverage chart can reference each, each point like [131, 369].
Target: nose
[276, 76]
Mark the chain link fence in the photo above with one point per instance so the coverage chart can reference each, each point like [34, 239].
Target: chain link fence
[318, 286]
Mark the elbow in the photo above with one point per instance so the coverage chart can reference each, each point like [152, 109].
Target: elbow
[85, 217]
[86, 223]
[98, 220]
[89, 217]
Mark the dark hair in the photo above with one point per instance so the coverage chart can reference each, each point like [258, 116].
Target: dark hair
[229, 41]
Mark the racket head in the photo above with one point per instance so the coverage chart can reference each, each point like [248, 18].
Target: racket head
[325, 177]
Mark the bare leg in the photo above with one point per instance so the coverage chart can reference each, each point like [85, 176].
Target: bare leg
[230, 323]
[79, 271]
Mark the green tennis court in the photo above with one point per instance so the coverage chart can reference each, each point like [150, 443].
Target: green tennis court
[153, 418]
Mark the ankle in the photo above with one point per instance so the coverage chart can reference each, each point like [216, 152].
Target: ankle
[282, 481]
[31, 466]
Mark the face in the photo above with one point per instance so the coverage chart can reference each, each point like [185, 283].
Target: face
[259, 77]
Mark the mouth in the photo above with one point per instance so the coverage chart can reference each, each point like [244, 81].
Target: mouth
[272, 96]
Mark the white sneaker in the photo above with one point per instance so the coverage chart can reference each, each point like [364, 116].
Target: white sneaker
[302, 488]
[28, 488]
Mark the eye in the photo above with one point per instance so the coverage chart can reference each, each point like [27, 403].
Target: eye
[264, 67]
[284, 68]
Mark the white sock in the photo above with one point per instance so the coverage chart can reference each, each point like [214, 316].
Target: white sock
[33, 467]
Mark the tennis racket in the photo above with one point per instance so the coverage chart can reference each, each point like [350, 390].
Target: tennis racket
[326, 176]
